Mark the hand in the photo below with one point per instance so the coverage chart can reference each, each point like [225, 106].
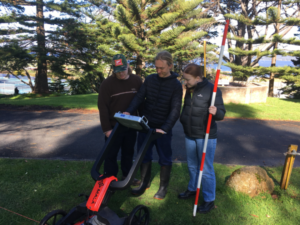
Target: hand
[107, 133]
[160, 131]
[126, 113]
[212, 110]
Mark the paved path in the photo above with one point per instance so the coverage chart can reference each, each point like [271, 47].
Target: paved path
[63, 135]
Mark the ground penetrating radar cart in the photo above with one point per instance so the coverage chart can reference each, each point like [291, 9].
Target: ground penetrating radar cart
[95, 210]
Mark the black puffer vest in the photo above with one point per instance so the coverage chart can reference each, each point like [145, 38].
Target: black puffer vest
[195, 113]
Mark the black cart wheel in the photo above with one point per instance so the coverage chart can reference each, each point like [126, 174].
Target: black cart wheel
[139, 216]
[53, 217]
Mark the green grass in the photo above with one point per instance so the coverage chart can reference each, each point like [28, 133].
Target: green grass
[274, 108]
[87, 101]
[35, 187]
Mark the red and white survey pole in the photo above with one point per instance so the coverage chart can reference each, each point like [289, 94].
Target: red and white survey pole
[210, 117]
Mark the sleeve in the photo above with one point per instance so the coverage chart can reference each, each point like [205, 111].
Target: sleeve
[176, 104]
[142, 105]
[138, 98]
[103, 106]
[220, 106]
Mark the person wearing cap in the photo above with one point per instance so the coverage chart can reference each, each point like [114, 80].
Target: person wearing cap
[115, 94]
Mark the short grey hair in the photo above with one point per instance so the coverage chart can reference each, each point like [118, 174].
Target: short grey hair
[165, 55]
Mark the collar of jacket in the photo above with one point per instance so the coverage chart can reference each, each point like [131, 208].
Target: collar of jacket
[202, 83]
[172, 76]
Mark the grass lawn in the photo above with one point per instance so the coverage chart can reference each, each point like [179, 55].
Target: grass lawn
[35, 187]
[87, 101]
[274, 108]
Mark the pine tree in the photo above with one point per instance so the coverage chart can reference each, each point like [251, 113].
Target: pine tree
[149, 26]
[30, 35]
[245, 55]
[293, 81]
[91, 46]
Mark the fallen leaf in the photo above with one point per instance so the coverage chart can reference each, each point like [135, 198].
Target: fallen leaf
[254, 215]
[25, 160]
[216, 206]
[268, 216]
[263, 196]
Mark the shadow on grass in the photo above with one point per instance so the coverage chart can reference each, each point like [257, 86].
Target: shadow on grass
[240, 110]
[87, 101]
[5, 96]
[290, 100]
[35, 187]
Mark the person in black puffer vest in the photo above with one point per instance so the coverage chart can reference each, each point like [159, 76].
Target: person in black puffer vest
[161, 94]
[194, 119]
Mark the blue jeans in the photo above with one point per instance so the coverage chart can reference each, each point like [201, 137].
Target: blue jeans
[163, 148]
[194, 149]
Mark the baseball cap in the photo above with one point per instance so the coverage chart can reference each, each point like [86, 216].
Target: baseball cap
[119, 63]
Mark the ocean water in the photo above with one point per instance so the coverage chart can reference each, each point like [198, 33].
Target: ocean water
[261, 63]
[7, 85]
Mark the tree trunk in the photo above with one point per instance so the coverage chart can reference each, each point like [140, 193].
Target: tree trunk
[273, 63]
[241, 30]
[139, 65]
[41, 82]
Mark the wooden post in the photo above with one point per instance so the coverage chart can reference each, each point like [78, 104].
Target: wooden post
[287, 168]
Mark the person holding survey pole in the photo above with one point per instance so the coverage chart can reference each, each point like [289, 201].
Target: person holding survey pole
[194, 119]
[162, 96]
[115, 94]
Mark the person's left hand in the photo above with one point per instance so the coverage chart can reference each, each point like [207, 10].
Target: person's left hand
[160, 131]
[212, 110]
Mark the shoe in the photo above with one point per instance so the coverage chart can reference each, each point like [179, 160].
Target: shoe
[186, 194]
[145, 179]
[205, 207]
[165, 172]
[135, 181]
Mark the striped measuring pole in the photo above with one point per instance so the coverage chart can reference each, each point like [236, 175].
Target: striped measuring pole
[210, 117]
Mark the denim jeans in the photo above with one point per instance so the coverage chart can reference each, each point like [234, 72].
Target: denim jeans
[163, 148]
[194, 149]
[126, 142]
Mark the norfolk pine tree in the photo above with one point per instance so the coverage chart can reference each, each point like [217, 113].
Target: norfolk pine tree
[293, 81]
[92, 47]
[149, 26]
[250, 50]
[31, 35]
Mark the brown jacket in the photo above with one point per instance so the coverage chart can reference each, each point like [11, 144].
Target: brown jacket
[115, 96]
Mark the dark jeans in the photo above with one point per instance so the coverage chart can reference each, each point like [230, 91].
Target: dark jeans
[163, 148]
[126, 142]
